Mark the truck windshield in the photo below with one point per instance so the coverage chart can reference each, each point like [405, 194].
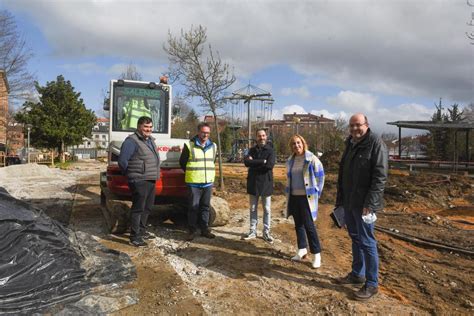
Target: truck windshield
[133, 100]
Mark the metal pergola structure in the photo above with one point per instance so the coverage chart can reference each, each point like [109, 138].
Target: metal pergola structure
[248, 94]
[430, 125]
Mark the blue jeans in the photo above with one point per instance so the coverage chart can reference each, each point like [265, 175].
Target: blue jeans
[267, 213]
[365, 259]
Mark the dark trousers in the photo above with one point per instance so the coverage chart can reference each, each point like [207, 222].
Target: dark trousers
[143, 199]
[304, 225]
[199, 205]
[365, 259]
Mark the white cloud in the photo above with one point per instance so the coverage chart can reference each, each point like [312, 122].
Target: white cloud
[404, 112]
[277, 114]
[378, 46]
[88, 68]
[354, 101]
[331, 115]
[148, 72]
[378, 116]
[301, 92]
[266, 86]
[293, 108]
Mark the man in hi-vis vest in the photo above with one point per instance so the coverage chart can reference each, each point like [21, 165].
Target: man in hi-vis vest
[132, 111]
[197, 160]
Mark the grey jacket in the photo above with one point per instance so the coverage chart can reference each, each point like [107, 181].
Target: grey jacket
[144, 163]
[362, 174]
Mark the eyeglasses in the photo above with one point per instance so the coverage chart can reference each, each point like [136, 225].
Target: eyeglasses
[205, 133]
[357, 125]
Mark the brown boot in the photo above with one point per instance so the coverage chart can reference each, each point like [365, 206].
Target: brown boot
[366, 292]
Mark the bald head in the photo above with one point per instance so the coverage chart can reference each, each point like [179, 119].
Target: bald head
[358, 126]
[359, 117]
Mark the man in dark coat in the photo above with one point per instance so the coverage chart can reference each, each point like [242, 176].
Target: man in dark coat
[140, 162]
[260, 161]
[361, 182]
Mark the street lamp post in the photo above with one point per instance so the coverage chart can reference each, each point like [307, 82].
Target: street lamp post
[296, 120]
[28, 144]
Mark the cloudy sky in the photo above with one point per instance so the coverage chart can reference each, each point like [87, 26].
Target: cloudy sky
[389, 59]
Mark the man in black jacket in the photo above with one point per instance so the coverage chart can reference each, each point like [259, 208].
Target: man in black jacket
[361, 182]
[260, 161]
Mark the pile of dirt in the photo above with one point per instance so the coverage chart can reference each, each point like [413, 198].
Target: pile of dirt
[426, 191]
[49, 189]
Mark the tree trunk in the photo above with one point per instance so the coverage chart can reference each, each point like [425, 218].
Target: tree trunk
[219, 152]
[62, 154]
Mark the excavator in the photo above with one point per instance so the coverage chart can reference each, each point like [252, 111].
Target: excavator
[128, 100]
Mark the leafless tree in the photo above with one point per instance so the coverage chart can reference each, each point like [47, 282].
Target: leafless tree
[14, 57]
[131, 73]
[388, 137]
[468, 113]
[201, 71]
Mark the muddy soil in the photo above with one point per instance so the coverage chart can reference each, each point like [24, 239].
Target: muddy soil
[230, 276]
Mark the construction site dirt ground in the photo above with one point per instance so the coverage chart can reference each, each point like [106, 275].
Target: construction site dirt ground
[227, 275]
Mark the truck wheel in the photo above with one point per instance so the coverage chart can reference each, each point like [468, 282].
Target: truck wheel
[219, 214]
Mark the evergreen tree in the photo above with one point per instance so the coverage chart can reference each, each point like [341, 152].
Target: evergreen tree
[442, 145]
[436, 148]
[59, 119]
[454, 115]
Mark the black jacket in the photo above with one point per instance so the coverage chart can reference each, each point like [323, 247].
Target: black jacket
[260, 174]
[361, 181]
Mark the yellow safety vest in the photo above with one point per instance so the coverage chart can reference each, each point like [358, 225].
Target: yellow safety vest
[132, 111]
[200, 167]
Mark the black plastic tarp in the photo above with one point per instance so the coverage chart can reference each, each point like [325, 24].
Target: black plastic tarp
[45, 267]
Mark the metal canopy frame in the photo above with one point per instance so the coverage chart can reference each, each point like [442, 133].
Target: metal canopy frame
[248, 94]
[430, 125]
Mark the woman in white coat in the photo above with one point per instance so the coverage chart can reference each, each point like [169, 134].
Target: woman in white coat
[305, 181]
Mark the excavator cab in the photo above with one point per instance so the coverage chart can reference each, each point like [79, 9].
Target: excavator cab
[133, 99]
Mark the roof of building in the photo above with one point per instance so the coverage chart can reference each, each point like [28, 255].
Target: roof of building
[303, 118]
[100, 129]
[306, 117]
[433, 125]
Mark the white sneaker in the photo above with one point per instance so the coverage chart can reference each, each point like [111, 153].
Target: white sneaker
[317, 261]
[300, 255]
[267, 237]
[250, 235]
